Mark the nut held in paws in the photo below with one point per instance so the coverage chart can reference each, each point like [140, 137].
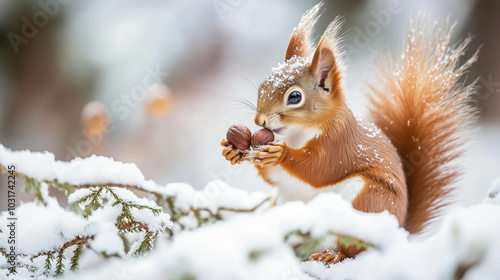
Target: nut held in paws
[239, 135]
[262, 137]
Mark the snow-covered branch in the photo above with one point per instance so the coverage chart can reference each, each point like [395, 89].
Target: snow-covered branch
[220, 232]
[105, 215]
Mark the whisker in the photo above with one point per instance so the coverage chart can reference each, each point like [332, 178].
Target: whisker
[243, 117]
[238, 100]
[246, 101]
[246, 78]
[224, 110]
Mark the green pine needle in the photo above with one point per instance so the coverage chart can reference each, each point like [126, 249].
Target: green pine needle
[48, 263]
[32, 186]
[76, 257]
[59, 262]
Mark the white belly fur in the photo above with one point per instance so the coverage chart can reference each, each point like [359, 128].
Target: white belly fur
[291, 188]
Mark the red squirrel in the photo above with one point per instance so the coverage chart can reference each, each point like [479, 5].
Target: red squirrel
[402, 163]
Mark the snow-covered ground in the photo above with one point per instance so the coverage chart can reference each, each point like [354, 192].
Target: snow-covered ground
[260, 244]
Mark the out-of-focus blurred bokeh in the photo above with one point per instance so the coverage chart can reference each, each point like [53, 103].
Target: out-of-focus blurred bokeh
[157, 83]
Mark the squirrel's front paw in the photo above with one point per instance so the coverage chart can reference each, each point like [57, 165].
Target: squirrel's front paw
[231, 153]
[271, 154]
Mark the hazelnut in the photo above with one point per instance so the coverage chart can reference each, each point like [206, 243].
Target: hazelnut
[262, 137]
[239, 136]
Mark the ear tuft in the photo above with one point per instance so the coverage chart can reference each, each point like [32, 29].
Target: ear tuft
[325, 63]
[300, 42]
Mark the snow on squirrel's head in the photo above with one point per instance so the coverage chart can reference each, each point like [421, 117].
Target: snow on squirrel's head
[305, 89]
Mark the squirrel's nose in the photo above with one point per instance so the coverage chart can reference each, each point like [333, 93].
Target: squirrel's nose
[260, 120]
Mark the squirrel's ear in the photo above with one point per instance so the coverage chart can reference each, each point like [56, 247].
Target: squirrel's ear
[325, 62]
[300, 42]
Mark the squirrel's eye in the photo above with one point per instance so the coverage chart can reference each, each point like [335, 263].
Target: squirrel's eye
[294, 97]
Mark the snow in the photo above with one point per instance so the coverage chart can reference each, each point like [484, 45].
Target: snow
[154, 222]
[220, 195]
[465, 236]
[494, 192]
[102, 221]
[223, 251]
[107, 240]
[183, 193]
[92, 170]
[78, 195]
[284, 75]
[40, 228]
[130, 197]
[215, 195]
[243, 246]
[253, 246]
[97, 170]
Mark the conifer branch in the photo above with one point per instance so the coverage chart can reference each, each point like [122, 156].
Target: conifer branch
[79, 240]
[105, 194]
[70, 188]
[59, 262]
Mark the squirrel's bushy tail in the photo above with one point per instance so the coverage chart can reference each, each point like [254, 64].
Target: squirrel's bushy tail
[422, 107]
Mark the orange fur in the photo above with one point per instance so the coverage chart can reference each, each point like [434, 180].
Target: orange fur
[300, 43]
[405, 161]
[422, 107]
[335, 156]
[346, 147]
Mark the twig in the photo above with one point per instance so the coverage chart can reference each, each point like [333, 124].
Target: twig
[244, 210]
[82, 240]
[79, 240]
[130, 187]
[129, 225]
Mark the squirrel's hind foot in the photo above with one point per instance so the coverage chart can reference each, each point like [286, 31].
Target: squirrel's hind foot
[328, 257]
